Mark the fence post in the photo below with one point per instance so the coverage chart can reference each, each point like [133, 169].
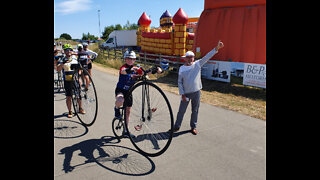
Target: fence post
[177, 65]
[122, 57]
[139, 57]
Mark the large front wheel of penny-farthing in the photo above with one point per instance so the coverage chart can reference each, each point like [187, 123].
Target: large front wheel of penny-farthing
[150, 121]
[86, 97]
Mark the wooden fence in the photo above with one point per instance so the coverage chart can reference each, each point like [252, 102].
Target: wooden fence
[172, 62]
[112, 53]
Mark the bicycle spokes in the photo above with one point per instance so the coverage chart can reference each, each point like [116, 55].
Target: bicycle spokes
[150, 119]
[86, 98]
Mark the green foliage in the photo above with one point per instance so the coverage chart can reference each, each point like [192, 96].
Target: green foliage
[129, 26]
[88, 36]
[65, 36]
[109, 29]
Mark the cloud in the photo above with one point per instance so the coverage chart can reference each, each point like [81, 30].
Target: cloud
[72, 6]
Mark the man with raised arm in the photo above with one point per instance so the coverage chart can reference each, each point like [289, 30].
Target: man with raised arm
[189, 83]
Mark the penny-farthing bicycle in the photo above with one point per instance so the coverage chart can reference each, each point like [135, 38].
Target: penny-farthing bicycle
[150, 123]
[87, 96]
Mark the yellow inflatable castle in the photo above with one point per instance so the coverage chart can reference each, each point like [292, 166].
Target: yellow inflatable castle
[171, 38]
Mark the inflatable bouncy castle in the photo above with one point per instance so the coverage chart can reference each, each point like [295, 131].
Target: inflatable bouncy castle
[239, 24]
[171, 38]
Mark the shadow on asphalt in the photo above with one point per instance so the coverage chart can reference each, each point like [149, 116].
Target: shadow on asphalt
[176, 134]
[155, 141]
[115, 158]
[112, 157]
[67, 129]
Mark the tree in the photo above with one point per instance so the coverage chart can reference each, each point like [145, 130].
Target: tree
[109, 29]
[65, 36]
[88, 36]
[118, 27]
[129, 26]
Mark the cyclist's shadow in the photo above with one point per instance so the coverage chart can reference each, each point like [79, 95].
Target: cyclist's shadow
[86, 147]
[108, 156]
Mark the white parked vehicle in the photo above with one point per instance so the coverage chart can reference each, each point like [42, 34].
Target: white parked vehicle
[121, 39]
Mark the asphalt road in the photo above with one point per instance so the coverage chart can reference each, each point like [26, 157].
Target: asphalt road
[229, 145]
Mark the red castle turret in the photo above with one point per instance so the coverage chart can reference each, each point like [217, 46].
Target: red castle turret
[143, 23]
[180, 17]
[144, 20]
[180, 20]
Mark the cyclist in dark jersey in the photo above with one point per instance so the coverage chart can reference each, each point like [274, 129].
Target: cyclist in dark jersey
[90, 53]
[127, 78]
[83, 59]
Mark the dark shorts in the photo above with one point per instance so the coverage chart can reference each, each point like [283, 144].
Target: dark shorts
[125, 94]
[85, 65]
[68, 88]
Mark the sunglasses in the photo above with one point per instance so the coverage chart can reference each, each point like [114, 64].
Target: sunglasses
[131, 59]
[68, 49]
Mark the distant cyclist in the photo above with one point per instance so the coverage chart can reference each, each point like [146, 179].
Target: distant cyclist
[56, 56]
[90, 53]
[66, 64]
[55, 53]
[83, 59]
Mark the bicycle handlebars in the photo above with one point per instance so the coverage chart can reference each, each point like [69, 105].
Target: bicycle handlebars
[153, 70]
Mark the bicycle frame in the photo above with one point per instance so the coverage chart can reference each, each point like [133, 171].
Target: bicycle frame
[145, 96]
[83, 94]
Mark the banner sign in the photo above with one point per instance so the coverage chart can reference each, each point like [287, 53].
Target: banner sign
[216, 70]
[255, 75]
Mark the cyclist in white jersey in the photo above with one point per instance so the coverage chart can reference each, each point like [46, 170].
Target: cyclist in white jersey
[66, 63]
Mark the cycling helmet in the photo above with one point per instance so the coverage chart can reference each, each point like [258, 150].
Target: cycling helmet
[85, 44]
[67, 46]
[130, 54]
[79, 46]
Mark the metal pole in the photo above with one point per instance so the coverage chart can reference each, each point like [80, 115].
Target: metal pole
[99, 22]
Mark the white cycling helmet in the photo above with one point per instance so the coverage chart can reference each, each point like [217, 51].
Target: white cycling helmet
[79, 46]
[130, 54]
